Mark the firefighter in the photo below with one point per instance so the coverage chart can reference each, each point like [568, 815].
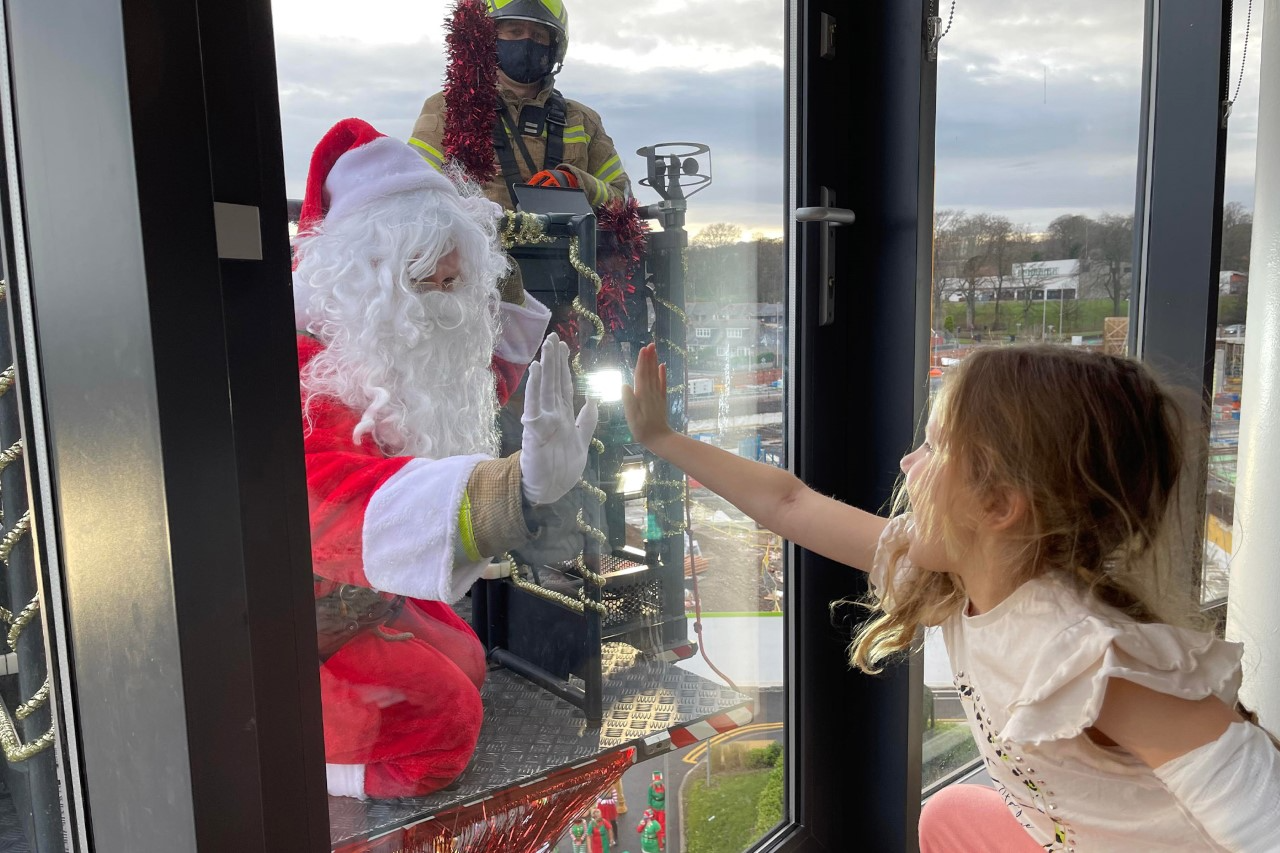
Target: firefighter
[540, 136]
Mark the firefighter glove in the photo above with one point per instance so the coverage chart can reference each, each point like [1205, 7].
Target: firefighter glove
[554, 178]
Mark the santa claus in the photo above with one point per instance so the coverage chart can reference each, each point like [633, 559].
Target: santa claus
[405, 352]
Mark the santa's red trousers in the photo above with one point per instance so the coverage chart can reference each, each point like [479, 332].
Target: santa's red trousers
[408, 709]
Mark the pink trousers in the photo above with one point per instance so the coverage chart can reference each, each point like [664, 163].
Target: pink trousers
[971, 819]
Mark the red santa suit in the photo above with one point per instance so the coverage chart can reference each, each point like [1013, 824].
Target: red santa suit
[401, 700]
[388, 523]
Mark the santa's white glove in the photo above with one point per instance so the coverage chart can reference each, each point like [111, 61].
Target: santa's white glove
[555, 444]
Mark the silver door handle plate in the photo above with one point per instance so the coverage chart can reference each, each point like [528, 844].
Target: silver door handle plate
[833, 215]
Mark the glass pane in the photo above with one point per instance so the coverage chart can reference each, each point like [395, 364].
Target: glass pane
[1233, 292]
[641, 631]
[1037, 141]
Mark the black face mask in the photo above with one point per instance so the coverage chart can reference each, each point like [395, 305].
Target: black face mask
[524, 60]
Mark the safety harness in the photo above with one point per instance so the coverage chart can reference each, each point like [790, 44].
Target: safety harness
[548, 119]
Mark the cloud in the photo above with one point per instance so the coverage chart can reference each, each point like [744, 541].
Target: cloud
[742, 125]
[1038, 106]
[697, 34]
[1038, 109]
[664, 85]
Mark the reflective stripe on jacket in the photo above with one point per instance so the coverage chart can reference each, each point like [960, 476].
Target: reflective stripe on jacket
[588, 150]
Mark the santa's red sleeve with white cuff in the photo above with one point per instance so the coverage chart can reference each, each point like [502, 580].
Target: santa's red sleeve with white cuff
[402, 708]
[383, 522]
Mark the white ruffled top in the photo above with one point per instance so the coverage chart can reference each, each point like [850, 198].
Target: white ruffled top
[1032, 673]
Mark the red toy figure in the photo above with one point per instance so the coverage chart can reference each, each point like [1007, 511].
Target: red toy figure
[608, 806]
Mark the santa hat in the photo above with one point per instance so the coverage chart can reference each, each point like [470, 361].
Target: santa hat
[354, 164]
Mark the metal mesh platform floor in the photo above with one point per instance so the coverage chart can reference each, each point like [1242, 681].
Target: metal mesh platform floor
[529, 732]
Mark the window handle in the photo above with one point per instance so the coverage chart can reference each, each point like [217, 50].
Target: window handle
[829, 217]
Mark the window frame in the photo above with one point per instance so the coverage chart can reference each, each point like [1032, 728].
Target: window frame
[1178, 214]
[1181, 167]
[190, 629]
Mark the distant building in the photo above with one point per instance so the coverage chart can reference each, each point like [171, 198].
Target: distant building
[1035, 270]
[1232, 282]
[737, 328]
[1011, 288]
[1032, 281]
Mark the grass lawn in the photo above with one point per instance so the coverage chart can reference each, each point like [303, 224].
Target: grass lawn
[947, 747]
[1083, 316]
[722, 818]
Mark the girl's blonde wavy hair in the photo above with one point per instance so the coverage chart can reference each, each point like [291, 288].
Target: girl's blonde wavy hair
[1097, 448]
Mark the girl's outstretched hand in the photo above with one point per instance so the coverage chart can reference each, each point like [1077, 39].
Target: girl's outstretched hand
[645, 403]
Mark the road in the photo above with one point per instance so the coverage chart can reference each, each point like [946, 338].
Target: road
[742, 402]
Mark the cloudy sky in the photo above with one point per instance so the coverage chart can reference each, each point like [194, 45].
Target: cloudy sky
[1037, 104]
[1038, 108]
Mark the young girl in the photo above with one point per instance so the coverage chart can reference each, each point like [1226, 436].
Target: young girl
[1042, 538]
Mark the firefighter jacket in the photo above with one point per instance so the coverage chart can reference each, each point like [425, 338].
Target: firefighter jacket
[588, 151]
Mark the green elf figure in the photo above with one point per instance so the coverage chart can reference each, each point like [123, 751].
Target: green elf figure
[658, 802]
[650, 840]
[648, 825]
[578, 835]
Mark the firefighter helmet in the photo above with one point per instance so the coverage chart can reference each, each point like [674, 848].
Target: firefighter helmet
[549, 13]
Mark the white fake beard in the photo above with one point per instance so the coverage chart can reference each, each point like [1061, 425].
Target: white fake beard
[446, 386]
[417, 366]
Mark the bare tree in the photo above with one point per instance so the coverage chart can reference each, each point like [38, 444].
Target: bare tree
[1110, 259]
[717, 235]
[771, 268]
[719, 267]
[975, 251]
[946, 223]
[1237, 232]
[999, 236]
[1068, 237]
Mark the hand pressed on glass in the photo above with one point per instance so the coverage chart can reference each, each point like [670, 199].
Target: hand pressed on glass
[645, 401]
[555, 442]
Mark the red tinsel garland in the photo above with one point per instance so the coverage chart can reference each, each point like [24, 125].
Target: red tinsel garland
[619, 255]
[568, 332]
[522, 819]
[471, 89]
[470, 95]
